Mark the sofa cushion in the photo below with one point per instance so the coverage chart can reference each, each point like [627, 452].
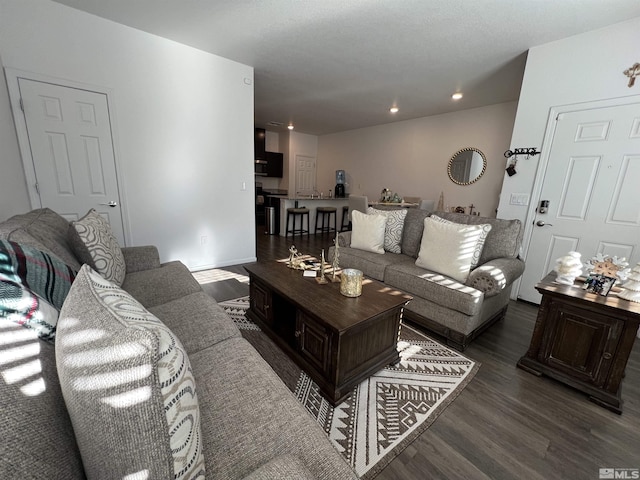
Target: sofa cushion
[20, 305]
[503, 240]
[444, 291]
[161, 285]
[128, 386]
[142, 257]
[197, 320]
[43, 229]
[448, 248]
[101, 249]
[368, 232]
[371, 264]
[250, 417]
[37, 437]
[393, 228]
[412, 231]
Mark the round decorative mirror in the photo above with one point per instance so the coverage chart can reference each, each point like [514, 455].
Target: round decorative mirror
[467, 166]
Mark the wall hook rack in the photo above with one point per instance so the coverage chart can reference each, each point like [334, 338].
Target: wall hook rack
[529, 152]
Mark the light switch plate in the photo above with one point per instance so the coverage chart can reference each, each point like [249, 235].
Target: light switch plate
[519, 199]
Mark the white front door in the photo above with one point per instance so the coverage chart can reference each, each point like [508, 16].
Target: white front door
[71, 147]
[305, 175]
[592, 184]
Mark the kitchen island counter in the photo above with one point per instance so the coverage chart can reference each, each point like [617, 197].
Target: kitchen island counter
[312, 204]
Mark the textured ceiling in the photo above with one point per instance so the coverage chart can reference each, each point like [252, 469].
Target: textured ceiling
[334, 65]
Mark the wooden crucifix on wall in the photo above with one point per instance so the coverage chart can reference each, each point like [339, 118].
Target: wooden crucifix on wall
[632, 73]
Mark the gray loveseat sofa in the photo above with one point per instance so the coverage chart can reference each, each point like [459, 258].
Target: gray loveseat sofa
[252, 426]
[457, 311]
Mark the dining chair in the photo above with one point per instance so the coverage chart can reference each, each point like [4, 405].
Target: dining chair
[412, 200]
[428, 205]
[357, 202]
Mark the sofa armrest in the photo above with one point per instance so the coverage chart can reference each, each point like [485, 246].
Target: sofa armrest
[495, 275]
[141, 258]
[344, 239]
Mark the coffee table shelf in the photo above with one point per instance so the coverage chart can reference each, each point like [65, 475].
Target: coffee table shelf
[338, 341]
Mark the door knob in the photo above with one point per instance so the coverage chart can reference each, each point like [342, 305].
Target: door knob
[541, 223]
[110, 204]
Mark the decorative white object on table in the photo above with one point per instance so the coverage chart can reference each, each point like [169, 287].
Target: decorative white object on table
[630, 290]
[608, 266]
[568, 268]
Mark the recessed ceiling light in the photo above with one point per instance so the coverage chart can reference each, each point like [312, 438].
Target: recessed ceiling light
[456, 96]
[394, 109]
[290, 127]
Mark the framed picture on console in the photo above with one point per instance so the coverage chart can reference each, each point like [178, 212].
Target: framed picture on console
[598, 283]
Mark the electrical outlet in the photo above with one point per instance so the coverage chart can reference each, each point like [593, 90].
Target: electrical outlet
[204, 239]
[243, 187]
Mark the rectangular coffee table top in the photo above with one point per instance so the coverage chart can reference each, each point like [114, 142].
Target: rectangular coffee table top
[325, 300]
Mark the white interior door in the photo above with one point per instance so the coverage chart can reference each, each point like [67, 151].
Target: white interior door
[71, 147]
[592, 183]
[305, 175]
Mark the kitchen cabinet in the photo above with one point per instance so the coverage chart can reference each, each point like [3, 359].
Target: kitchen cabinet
[275, 163]
[583, 339]
[260, 144]
[267, 164]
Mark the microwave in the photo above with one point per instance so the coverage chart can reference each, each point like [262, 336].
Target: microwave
[261, 168]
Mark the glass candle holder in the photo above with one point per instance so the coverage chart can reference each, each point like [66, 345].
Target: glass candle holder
[351, 282]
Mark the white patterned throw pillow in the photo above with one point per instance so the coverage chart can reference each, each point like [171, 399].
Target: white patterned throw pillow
[393, 228]
[128, 386]
[96, 235]
[448, 248]
[486, 228]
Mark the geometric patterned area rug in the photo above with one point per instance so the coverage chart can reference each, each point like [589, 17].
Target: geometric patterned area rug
[386, 412]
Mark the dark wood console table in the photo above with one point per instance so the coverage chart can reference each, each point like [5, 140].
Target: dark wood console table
[338, 341]
[583, 339]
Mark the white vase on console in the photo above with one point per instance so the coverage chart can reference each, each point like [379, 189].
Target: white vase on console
[568, 268]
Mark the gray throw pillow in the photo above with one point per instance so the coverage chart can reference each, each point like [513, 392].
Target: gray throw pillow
[128, 386]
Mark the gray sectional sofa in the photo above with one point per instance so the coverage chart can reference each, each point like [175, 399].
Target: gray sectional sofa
[252, 426]
[457, 311]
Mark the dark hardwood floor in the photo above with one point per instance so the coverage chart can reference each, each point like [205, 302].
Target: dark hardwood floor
[507, 423]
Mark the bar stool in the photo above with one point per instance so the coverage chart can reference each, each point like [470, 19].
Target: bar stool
[294, 213]
[344, 222]
[325, 213]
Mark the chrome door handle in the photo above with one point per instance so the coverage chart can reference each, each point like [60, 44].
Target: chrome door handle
[110, 204]
[541, 223]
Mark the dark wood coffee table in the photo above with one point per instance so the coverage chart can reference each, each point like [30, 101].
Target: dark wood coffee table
[338, 341]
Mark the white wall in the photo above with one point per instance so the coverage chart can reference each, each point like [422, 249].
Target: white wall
[411, 157]
[582, 68]
[182, 122]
